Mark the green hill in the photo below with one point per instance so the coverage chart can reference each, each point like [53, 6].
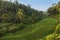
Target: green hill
[22, 22]
[33, 31]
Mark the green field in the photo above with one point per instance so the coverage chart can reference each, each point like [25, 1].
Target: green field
[21, 21]
[34, 31]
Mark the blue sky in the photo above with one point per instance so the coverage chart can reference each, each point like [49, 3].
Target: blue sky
[39, 4]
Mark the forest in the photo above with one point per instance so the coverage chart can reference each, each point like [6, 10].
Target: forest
[22, 22]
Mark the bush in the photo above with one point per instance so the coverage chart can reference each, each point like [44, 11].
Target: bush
[57, 31]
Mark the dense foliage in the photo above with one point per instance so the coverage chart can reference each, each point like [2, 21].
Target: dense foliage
[21, 22]
[55, 9]
[16, 12]
[18, 15]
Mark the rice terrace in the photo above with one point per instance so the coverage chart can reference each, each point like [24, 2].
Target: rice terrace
[29, 19]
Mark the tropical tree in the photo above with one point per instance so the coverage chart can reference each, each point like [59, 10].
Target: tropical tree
[55, 9]
[20, 14]
[57, 31]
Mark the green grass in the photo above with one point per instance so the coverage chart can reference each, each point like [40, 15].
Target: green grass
[33, 31]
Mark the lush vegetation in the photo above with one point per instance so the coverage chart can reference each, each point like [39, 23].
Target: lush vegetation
[18, 13]
[21, 22]
[33, 31]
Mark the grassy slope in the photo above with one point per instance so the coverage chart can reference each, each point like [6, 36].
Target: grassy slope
[34, 31]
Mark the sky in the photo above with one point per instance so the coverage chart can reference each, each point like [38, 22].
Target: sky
[39, 4]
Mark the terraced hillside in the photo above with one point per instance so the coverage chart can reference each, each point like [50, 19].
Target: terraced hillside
[34, 31]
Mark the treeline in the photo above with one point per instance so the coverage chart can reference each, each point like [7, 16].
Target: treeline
[15, 16]
[54, 9]
[16, 12]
